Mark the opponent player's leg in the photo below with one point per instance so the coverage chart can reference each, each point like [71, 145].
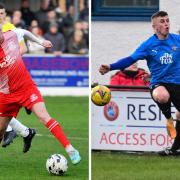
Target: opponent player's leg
[3, 125]
[162, 98]
[40, 111]
[26, 132]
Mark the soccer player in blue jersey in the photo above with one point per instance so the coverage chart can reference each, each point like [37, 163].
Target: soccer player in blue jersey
[162, 53]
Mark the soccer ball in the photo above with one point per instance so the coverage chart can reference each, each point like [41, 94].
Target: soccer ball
[100, 95]
[56, 164]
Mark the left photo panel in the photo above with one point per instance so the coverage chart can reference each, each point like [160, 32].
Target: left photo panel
[44, 89]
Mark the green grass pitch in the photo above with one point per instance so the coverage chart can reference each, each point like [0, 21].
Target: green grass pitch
[121, 166]
[72, 113]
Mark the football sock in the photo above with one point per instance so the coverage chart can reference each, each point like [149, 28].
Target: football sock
[57, 131]
[171, 130]
[9, 128]
[165, 108]
[19, 127]
[176, 144]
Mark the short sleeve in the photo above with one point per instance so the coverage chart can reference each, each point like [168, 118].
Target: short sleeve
[20, 34]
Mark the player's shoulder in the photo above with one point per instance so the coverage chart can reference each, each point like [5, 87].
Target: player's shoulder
[147, 42]
[8, 26]
[19, 31]
[150, 39]
[172, 35]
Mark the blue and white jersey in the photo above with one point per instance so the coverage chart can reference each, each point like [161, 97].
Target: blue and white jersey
[163, 58]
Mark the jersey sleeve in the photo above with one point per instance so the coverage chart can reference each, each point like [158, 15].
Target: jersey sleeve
[140, 53]
[20, 34]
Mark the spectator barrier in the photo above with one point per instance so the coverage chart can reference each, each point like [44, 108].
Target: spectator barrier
[130, 122]
[64, 75]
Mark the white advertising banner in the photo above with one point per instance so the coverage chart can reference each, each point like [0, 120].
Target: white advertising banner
[131, 121]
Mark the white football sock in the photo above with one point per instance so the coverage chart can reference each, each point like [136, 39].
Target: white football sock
[19, 127]
[9, 128]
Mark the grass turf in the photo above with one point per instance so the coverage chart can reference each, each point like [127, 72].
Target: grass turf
[118, 166]
[72, 113]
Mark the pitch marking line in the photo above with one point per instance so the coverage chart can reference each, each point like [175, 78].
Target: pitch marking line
[50, 136]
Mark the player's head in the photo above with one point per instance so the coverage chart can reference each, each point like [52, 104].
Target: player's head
[2, 13]
[160, 23]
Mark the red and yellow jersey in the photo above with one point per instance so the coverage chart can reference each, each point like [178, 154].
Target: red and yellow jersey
[9, 26]
[13, 73]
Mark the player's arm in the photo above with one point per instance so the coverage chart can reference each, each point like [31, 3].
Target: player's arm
[120, 65]
[140, 53]
[28, 35]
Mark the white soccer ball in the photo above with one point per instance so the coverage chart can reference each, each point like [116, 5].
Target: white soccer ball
[57, 164]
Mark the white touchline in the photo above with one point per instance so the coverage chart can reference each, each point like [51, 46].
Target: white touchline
[78, 138]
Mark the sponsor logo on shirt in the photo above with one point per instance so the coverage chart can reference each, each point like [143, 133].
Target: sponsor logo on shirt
[7, 61]
[166, 59]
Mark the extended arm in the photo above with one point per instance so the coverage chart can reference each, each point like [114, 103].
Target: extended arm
[28, 35]
[120, 65]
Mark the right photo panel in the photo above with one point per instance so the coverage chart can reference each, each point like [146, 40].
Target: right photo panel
[135, 89]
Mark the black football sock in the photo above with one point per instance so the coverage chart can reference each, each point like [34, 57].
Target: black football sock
[176, 144]
[165, 108]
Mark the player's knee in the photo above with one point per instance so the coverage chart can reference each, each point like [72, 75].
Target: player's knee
[44, 118]
[161, 97]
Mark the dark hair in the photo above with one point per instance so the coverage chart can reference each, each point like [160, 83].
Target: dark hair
[159, 14]
[2, 6]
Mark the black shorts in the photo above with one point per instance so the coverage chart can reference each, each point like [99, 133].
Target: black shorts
[174, 92]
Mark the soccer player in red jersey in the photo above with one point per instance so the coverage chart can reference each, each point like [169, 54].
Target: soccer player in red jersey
[17, 89]
[14, 125]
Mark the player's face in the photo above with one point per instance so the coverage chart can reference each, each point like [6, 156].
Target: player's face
[161, 26]
[2, 15]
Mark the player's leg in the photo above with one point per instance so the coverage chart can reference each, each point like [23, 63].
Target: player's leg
[54, 127]
[176, 143]
[9, 136]
[162, 97]
[175, 96]
[175, 149]
[26, 132]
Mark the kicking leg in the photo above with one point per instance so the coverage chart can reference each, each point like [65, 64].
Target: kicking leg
[54, 127]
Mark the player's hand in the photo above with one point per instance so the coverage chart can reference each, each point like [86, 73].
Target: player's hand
[104, 69]
[47, 44]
